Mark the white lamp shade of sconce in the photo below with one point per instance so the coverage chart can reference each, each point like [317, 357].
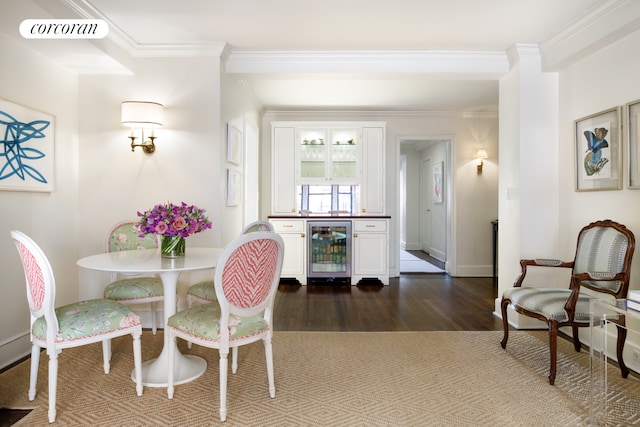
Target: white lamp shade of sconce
[142, 114]
[481, 154]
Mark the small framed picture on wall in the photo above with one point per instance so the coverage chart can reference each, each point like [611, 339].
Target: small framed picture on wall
[438, 182]
[234, 145]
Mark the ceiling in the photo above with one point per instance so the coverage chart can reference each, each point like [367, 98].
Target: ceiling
[321, 38]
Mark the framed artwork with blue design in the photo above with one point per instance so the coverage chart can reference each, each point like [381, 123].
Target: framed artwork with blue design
[598, 151]
[633, 141]
[26, 148]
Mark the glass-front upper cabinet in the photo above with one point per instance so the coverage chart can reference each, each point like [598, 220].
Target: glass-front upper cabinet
[313, 153]
[329, 155]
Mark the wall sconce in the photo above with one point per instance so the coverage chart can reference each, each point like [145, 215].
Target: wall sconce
[481, 154]
[142, 115]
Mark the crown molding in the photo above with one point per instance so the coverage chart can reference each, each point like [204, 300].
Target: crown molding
[85, 10]
[606, 22]
[489, 64]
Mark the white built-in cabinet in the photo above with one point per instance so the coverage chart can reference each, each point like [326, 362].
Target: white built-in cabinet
[370, 250]
[293, 233]
[326, 153]
[283, 187]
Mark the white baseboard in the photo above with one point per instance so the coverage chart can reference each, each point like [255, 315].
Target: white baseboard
[14, 349]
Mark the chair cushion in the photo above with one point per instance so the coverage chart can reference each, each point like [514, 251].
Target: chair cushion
[134, 288]
[204, 291]
[87, 319]
[203, 322]
[548, 302]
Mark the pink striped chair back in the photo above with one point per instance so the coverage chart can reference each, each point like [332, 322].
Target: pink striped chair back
[248, 272]
[39, 279]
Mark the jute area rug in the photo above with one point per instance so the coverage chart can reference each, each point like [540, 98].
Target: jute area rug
[337, 379]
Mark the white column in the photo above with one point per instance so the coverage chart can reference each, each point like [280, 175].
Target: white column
[528, 192]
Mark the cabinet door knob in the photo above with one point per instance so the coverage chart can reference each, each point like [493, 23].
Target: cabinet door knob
[302, 235]
[355, 235]
[363, 210]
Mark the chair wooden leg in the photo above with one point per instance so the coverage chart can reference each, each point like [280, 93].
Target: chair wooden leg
[622, 336]
[224, 365]
[505, 322]
[53, 385]
[553, 350]
[576, 339]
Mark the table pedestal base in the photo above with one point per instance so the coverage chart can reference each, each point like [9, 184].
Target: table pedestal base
[187, 368]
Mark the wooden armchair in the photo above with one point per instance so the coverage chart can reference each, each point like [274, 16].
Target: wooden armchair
[602, 264]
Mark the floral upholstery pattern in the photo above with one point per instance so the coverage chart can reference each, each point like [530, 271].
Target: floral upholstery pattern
[258, 226]
[134, 288]
[204, 291]
[203, 322]
[126, 236]
[87, 319]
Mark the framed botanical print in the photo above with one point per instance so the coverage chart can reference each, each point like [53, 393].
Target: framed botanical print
[598, 151]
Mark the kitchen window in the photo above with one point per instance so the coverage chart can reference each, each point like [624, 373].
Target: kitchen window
[329, 199]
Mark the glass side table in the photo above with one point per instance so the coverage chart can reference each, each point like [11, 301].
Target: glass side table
[603, 335]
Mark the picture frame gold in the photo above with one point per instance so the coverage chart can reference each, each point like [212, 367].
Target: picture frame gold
[598, 151]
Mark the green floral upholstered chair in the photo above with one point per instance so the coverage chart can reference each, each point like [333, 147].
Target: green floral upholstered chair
[137, 289]
[204, 292]
[602, 266]
[246, 280]
[72, 325]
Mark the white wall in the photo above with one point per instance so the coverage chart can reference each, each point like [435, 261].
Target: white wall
[403, 126]
[116, 183]
[99, 181]
[50, 219]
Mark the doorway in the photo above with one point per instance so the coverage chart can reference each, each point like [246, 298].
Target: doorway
[424, 216]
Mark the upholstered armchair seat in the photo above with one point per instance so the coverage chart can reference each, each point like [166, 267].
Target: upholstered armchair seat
[548, 302]
[203, 292]
[86, 320]
[203, 321]
[134, 288]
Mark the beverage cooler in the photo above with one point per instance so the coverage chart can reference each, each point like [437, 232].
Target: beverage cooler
[329, 252]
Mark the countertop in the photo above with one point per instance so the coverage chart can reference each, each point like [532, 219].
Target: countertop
[328, 217]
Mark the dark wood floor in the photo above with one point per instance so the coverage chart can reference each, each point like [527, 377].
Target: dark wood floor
[412, 302]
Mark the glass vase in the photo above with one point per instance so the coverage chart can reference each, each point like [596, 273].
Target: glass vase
[172, 246]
